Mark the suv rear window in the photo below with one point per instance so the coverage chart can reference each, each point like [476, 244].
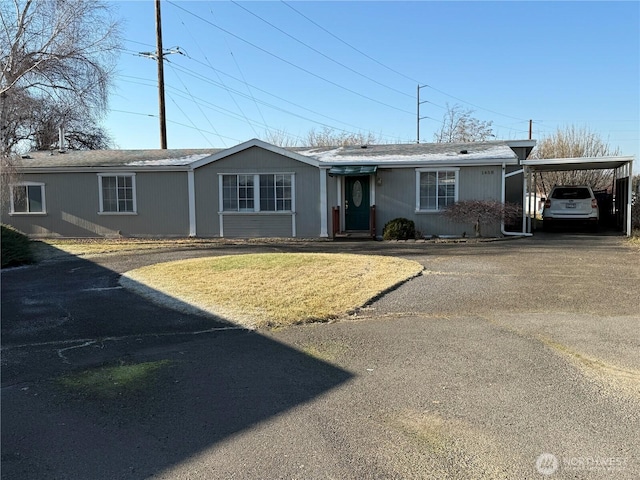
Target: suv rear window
[565, 193]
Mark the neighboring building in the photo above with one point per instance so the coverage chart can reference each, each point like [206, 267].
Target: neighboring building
[256, 189]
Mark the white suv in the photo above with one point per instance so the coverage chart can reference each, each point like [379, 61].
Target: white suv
[571, 204]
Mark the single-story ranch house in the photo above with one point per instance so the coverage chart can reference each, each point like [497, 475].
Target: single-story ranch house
[256, 189]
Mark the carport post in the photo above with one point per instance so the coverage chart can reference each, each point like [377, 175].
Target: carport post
[525, 178]
[629, 197]
[529, 181]
[535, 199]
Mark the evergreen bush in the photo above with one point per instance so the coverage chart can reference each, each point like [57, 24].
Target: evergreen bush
[399, 229]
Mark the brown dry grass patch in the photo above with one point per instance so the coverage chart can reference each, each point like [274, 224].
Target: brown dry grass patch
[274, 289]
[50, 248]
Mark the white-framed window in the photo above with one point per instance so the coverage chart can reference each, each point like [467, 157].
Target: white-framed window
[28, 197]
[266, 192]
[117, 193]
[436, 189]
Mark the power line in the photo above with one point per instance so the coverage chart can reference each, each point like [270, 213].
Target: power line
[222, 85]
[392, 69]
[472, 104]
[290, 63]
[214, 107]
[197, 104]
[176, 123]
[206, 79]
[221, 81]
[320, 53]
[229, 113]
[139, 43]
[190, 121]
[278, 108]
[235, 61]
[349, 45]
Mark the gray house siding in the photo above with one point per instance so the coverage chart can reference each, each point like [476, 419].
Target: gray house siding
[72, 206]
[252, 225]
[396, 197]
[332, 201]
[178, 193]
[163, 204]
[480, 183]
[255, 160]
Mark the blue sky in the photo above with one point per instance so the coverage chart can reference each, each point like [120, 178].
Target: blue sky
[557, 63]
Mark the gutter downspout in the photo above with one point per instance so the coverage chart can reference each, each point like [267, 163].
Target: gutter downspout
[191, 192]
[503, 198]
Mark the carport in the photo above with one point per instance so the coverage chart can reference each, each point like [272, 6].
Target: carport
[622, 167]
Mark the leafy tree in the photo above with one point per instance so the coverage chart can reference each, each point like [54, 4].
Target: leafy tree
[574, 142]
[458, 126]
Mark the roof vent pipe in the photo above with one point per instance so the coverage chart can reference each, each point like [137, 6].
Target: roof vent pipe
[61, 139]
[464, 152]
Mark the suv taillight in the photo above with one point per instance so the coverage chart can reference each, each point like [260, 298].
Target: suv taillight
[547, 203]
[594, 203]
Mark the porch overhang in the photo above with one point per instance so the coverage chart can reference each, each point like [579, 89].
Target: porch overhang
[352, 170]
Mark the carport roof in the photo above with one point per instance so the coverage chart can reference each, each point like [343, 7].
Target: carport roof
[582, 163]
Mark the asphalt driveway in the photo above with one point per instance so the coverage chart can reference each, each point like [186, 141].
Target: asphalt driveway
[510, 359]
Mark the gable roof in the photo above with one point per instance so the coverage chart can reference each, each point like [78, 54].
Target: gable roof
[254, 142]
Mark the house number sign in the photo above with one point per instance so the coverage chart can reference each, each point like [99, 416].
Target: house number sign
[357, 193]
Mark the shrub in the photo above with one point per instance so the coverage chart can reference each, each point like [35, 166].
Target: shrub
[482, 212]
[399, 229]
[16, 249]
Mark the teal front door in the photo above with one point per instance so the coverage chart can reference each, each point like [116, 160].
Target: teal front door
[356, 206]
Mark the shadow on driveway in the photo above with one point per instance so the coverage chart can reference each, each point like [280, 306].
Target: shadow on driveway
[71, 315]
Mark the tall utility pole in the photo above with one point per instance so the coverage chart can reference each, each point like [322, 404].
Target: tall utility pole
[160, 58]
[418, 117]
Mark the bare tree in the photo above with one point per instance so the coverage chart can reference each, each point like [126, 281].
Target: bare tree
[458, 126]
[328, 137]
[53, 52]
[482, 212]
[574, 142]
[280, 138]
[81, 131]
